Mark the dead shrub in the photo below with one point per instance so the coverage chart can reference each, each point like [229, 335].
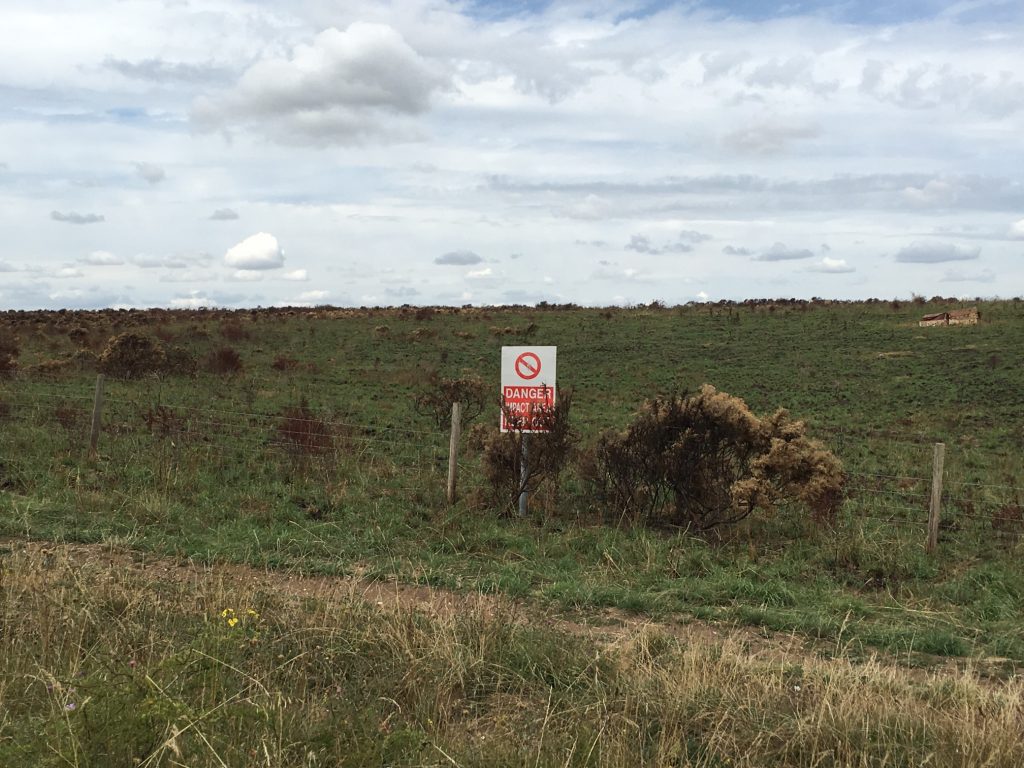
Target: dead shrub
[705, 460]
[132, 355]
[84, 360]
[233, 331]
[224, 361]
[9, 350]
[71, 418]
[302, 432]
[163, 421]
[49, 368]
[548, 453]
[180, 362]
[435, 401]
[284, 363]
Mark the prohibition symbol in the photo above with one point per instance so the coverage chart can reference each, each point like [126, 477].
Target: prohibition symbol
[527, 366]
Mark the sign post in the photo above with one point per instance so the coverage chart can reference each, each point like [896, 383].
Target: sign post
[527, 393]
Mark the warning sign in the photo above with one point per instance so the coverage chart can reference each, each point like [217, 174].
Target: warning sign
[527, 387]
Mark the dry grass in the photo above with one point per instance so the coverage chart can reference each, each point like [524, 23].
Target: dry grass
[106, 664]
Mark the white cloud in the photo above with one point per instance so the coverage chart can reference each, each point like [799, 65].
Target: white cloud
[339, 88]
[296, 275]
[101, 259]
[476, 274]
[195, 301]
[7, 267]
[246, 276]
[67, 272]
[150, 172]
[1017, 230]
[832, 266]
[259, 251]
[312, 297]
[933, 253]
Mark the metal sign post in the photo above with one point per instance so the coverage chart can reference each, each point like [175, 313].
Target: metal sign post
[524, 474]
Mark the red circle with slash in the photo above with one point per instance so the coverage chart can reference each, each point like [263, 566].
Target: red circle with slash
[527, 366]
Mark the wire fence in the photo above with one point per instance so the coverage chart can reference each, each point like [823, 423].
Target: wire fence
[389, 457]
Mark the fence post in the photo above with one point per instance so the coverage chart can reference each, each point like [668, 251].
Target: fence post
[97, 415]
[453, 450]
[938, 459]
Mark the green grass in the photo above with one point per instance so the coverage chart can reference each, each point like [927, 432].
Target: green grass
[873, 385]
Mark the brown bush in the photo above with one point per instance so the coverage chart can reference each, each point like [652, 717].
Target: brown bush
[224, 361]
[233, 331]
[284, 363]
[548, 453]
[180, 362]
[132, 355]
[435, 401]
[303, 432]
[163, 421]
[706, 460]
[9, 351]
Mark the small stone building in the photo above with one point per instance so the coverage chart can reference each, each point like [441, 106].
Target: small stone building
[953, 317]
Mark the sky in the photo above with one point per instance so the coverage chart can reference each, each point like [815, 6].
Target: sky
[222, 153]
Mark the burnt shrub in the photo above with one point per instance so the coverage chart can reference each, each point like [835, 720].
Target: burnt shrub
[284, 363]
[548, 453]
[705, 460]
[224, 361]
[436, 399]
[233, 331]
[179, 361]
[132, 355]
[302, 432]
[9, 351]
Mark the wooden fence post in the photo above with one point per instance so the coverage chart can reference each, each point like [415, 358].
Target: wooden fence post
[453, 450]
[934, 508]
[97, 415]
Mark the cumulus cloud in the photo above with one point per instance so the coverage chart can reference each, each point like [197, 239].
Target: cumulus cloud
[311, 297]
[224, 214]
[67, 272]
[934, 253]
[101, 259]
[6, 267]
[71, 217]
[296, 275]
[780, 252]
[333, 90]
[477, 274]
[259, 251]
[458, 258]
[1017, 230]
[150, 172]
[195, 300]
[831, 266]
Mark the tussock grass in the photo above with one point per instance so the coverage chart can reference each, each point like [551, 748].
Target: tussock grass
[102, 664]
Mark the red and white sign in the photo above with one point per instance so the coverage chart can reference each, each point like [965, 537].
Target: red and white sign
[527, 387]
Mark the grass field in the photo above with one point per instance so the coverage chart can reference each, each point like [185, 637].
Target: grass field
[105, 662]
[198, 467]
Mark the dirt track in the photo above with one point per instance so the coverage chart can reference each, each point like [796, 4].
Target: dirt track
[607, 627]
